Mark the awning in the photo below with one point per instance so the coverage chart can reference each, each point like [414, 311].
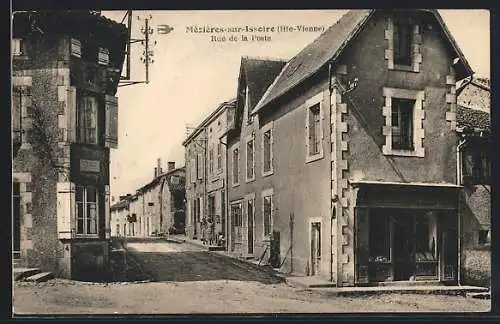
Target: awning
[414, 195]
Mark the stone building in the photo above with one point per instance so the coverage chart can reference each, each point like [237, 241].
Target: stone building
[65, 73]
[362, 187]
[206, 172]
[474, 169]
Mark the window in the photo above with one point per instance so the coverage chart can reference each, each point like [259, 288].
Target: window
[117, 229]
[267, 212]
[402, 43]
[236, 170]
[17, 47]
[267, 142]
[211, 160]
[483, 237]
[219, 156]
[87, 131]
[237, 220]
[250, 156]
[103, 56]
[314, 130]
[211, 208]
[16, 118]
[402, 123]
[199, 164]
[404, 120]
[476, 164]
[86, 210]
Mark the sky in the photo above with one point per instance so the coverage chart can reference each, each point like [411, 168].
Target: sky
[193, 73]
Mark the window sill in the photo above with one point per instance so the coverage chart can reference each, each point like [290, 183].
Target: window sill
[235, 185]
[405, 68]
[250, 180]
[86, 236]
[312, 158]
[408, 153]
[267, 173]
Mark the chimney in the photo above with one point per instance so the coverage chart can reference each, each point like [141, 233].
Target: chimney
[158, 170]
[171, 166]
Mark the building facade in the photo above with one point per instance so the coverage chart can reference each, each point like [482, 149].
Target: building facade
[66, 68]
[249, 168]
[205, 156]
[474, 168]
[364, 186]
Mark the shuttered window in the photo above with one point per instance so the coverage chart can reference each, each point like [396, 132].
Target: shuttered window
[111, 131]
[76, 48]
[87, 129]
[103, 56]
[65, 209]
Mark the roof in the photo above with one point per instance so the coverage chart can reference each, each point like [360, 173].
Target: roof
[474, 119]
[327, 47]
[259, 73]
[157, 180]
[120, 205]
[207, 120]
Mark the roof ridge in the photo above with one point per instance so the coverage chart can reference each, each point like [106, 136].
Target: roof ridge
[264, 58]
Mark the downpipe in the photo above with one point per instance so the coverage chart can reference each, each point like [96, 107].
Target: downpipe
[459, 236]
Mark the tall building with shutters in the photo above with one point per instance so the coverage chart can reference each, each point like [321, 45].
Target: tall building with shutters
[66, 66]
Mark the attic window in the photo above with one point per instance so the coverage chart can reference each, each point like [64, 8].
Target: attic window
[402, 43]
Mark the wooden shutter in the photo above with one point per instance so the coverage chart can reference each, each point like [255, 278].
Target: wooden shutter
[111, 132]
[103, 56]
[76, 48]
[65, 209]
[71, 113]
[107, 216]
[16, 47]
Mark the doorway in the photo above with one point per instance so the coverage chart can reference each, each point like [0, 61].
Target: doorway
[315, 248]
[236, 227]
[16, 220]
[250, 215]
[403, 248]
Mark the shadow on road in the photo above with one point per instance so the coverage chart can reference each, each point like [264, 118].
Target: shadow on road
[184, 266]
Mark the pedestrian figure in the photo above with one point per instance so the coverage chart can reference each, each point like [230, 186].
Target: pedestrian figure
[204, 230]
[212, 232]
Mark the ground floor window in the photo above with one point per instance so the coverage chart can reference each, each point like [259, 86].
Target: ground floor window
[87, 209]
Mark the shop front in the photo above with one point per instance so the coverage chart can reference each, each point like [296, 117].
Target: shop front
[406, 233]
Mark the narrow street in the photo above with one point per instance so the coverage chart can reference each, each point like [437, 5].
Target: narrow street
[189, 280]
[168, 261]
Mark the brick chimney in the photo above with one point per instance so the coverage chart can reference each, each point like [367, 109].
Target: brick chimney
[170, 166]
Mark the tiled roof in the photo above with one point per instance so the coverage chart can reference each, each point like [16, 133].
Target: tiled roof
[328, 46]
[473, 118]
[120, 205]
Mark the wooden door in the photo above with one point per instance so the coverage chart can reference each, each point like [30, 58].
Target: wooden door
[315, 248]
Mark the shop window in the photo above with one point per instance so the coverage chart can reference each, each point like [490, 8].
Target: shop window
[87, 210]
[380, 238]
[87, 121]
[402, 123]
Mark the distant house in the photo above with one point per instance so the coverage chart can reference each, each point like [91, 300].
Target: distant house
[474, 93]
[362, 185]
[160, 205]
